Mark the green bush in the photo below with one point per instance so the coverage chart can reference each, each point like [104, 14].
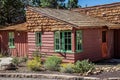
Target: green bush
[83, 66]
[53, 63]
[67, 68]
[15, 61]
[23, 59]
[34, 64]
[36, 54]
[1, 56]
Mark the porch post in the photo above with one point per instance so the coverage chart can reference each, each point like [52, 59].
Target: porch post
[73, 40]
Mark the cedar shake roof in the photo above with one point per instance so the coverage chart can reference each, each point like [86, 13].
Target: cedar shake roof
[74, 18]
[108, 12]
[18, 27]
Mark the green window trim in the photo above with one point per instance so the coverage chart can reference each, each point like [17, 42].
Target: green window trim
[79, 41]
[63, 41]
[38, 38]
[11, 42]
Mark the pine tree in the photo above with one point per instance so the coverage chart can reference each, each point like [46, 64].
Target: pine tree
[11, 10]
[72, 4]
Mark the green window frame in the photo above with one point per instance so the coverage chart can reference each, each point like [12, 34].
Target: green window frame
[38, 38]
[79, 41]
[63, 41]
[11, 42]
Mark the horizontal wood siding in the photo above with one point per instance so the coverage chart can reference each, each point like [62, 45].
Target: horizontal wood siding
[20, 43]
[47, 47]
[91, 46]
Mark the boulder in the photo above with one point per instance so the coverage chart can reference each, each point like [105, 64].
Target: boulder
[6, 63]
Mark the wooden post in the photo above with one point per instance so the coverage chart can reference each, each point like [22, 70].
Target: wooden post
[73, 40]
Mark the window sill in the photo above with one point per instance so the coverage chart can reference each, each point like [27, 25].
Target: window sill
[11, 47]
[79, 51]
[64, 51]
[38, 45]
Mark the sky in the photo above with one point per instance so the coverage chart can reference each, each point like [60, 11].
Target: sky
[83, 3]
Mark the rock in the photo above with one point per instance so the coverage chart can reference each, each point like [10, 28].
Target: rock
[6, 63]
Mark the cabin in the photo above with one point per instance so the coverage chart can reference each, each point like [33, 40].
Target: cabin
[70, 35]
[110, 13]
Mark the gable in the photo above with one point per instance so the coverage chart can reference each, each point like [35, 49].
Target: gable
[38, 22]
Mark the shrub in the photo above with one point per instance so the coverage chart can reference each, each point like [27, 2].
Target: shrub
[36, 54]
[1, 56]
[53, 63]
[15, 61]
[34, 64]
[67, 68]
[23, 59]
[83, 66]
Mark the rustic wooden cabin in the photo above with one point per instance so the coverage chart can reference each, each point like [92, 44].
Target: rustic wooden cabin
[108, 12]
[70, 35]
[67, 34]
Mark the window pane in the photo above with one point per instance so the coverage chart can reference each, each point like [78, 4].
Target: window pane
[103, 36]
[11, 39]
[79, 40]
[38, 38]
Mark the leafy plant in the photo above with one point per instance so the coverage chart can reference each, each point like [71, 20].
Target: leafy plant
[23, 59]
[34, 64]
[83, 66]
[15, 61]
[53, 63]
[1, 56]
[67, 68]
[36, 54]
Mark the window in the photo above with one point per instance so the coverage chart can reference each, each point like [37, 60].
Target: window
[63, 41]
[38, 38]
[79, 41]
[103, 36]
[11, 40]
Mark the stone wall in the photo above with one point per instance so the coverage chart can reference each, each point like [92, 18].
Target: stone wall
[109, 12]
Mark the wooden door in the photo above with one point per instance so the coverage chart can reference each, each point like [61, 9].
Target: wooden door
[104, 44]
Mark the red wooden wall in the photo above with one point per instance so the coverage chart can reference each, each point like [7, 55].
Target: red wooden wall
[117, 43]
[47, 46]
[92, 43]
[20, 43]
[92, 40]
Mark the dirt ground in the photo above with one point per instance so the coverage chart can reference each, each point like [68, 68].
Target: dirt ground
[104, 63]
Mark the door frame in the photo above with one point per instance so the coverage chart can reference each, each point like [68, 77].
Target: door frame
[104, 43]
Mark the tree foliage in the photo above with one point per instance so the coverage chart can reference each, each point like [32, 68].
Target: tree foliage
[72, 4]
[56, 3]
[10, 11]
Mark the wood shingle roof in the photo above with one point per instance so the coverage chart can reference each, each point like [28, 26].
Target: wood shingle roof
[77, 19]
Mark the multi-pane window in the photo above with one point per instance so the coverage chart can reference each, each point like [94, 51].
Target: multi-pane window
[79, 41]
[63, 41]
[11, 40]
[38, 38]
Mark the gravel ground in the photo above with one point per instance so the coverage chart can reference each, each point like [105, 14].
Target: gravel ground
[24, 79]
[108, 63]
[107, 74]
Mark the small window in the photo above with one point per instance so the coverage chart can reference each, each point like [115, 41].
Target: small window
[103, 36]
[79, 41]
[11, 40]
[38, 38]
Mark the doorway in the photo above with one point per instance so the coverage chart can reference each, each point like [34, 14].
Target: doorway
[104, 44]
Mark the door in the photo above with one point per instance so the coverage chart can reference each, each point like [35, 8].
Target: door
[104, 44]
